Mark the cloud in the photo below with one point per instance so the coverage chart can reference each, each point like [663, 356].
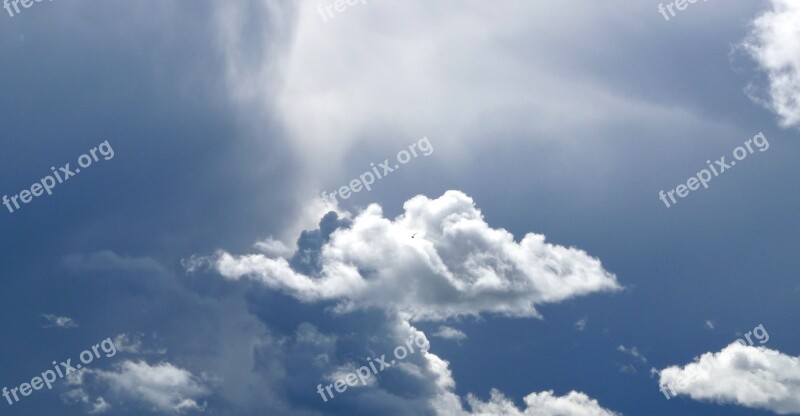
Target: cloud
[99, 406]
[59, 321]
[272, 247]
[132, 344]
[447, 332]
[774, 43]
[79, 395]
[539, 404]
[633, 352]
[580, 325]
[458, 265]
[626, 368]
[433, 372]
[754, 377]
[336, 81]
[106, 260]
[163, 386]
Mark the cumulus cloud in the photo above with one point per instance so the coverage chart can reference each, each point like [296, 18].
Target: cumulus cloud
[457, 266]
[774, 43]
[431, 371]
[163, 386]
[447, 332]
[754, 377]
[59, 321]
[539, 404]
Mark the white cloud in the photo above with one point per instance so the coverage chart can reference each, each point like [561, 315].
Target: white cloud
[397, 68]
[774, 44]
[539, 404]
[128, 343]
[79, 396]
[132, 344]
[60, 321]
[580, 325]
[272, 247]
[457, 266]
[75, 396]
[633, 352]
[99, 406]
[77, 393]
[164, 386]
[341, 372]
[754, 377]
[446, 403]
[447, 332]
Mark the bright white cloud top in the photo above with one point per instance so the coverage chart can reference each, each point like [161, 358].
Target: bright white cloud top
[457, 265]
[165, 387]
[162, 387]
[775, 44]
[749, 376]
[446, 332]
[540, 404]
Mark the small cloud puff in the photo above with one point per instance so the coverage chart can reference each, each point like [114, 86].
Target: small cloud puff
[580, 325]
[55, 321]
[446, 332]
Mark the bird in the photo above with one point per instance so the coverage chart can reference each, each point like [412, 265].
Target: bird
[412, 236]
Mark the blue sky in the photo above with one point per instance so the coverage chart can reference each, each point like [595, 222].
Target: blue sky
[544, 276]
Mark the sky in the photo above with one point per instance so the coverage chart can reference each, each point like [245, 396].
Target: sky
[297, 207]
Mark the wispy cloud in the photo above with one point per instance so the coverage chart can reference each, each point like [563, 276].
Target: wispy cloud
[55, 321]
[580, 325]
[633, 352]
[447, 332]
